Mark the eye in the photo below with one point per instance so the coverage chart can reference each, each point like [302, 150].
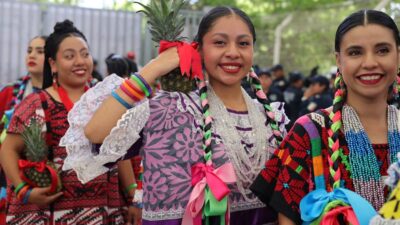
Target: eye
[244, 43]
[40, 51]
[219, 43]
[383, 51]
[29, 51]
[69, 56]
[85, 54]
[354, 52]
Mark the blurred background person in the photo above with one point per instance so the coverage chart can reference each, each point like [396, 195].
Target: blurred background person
[292, 97]
[278, 75]
[273, 93]
[317, 96]
[12, 94]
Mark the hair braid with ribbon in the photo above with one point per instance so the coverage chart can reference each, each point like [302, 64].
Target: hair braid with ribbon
[333, 132]
[207, 119]
[262, 98]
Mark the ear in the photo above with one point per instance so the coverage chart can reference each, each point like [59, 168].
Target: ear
[338, 63]
[53, 65]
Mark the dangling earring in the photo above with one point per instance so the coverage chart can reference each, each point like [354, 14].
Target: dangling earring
[54, 76]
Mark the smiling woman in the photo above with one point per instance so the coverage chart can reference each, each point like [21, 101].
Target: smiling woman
[187, 139]
[68, 67]
[329, 168]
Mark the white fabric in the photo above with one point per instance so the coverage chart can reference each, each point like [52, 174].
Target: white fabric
[79, 149]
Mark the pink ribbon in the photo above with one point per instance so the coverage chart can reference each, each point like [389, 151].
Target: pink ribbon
[216, 179]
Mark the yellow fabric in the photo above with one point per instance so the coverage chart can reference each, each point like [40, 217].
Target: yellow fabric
[388, 209]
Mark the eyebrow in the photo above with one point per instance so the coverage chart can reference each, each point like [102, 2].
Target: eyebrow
[376, 45]
[226, 36]
[73, 50]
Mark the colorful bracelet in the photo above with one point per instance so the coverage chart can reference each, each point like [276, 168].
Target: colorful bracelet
[134, 87]
[19, 187]
[120, 100]
[26, 197]
[142, 83]
[130, 187]
[128, 93]
[132, 91]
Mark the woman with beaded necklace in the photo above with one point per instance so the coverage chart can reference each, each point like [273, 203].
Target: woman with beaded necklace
[215, 139]
[331, 164]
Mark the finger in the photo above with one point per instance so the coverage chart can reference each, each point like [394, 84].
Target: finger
[52, 198]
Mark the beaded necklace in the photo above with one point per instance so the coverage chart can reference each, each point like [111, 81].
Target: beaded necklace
[364, 166]
[247, 164]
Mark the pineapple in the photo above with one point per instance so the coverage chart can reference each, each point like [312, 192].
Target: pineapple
[36, 151]
[166, 24]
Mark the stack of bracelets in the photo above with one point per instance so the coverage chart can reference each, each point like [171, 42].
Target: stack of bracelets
[130, 88]
[22, 191]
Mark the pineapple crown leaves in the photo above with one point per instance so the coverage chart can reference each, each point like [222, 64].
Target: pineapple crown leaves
[164, 19]
[35, 145]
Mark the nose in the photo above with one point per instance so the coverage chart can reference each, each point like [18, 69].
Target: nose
[79, 60]
[232, 51]
[369, 61]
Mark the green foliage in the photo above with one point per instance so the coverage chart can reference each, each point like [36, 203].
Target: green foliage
[35, 146]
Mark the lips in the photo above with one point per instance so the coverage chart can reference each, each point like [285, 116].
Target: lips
[31, 64]
[79, 72]
[370, 79]
[230, 67]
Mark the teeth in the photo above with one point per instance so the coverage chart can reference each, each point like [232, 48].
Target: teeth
[79, 71]
[373, 77]
[231, 67]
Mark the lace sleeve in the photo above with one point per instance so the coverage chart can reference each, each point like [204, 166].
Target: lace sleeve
[78, 147]
[86, 163]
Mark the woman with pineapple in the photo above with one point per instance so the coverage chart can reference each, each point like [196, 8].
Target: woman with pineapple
[31, 160]
[202, 149]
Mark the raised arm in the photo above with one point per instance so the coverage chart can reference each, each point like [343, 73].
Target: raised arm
[108, 114]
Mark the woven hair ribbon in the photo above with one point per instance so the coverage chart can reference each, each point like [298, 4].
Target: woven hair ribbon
[313, 204]
[6, 121]
[210, 191]
[189, 58]
[40, 167]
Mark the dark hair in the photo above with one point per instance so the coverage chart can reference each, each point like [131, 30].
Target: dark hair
[43, 37]
[117, 64]
[132, 66]
[208, 21]
[364, 17]
[61, 31]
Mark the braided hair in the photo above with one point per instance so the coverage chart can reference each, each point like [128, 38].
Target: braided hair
[205, 25]
[61, 31]
[359, 18]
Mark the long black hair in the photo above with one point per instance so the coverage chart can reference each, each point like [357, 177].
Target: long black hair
[61, 31]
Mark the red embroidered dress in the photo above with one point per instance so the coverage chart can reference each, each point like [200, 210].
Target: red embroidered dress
[97, 202]
[288, 176]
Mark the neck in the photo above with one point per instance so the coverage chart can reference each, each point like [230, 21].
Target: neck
[74, 93]
[374, 110]
[37, 80]
[231, 96]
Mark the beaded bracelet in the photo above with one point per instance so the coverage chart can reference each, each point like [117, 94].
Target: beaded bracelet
[120, 100]
[142, 83]
[19, 187]
[130, 187]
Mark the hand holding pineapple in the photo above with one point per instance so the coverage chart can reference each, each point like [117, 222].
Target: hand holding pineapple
[161, 65]
[42, 196]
